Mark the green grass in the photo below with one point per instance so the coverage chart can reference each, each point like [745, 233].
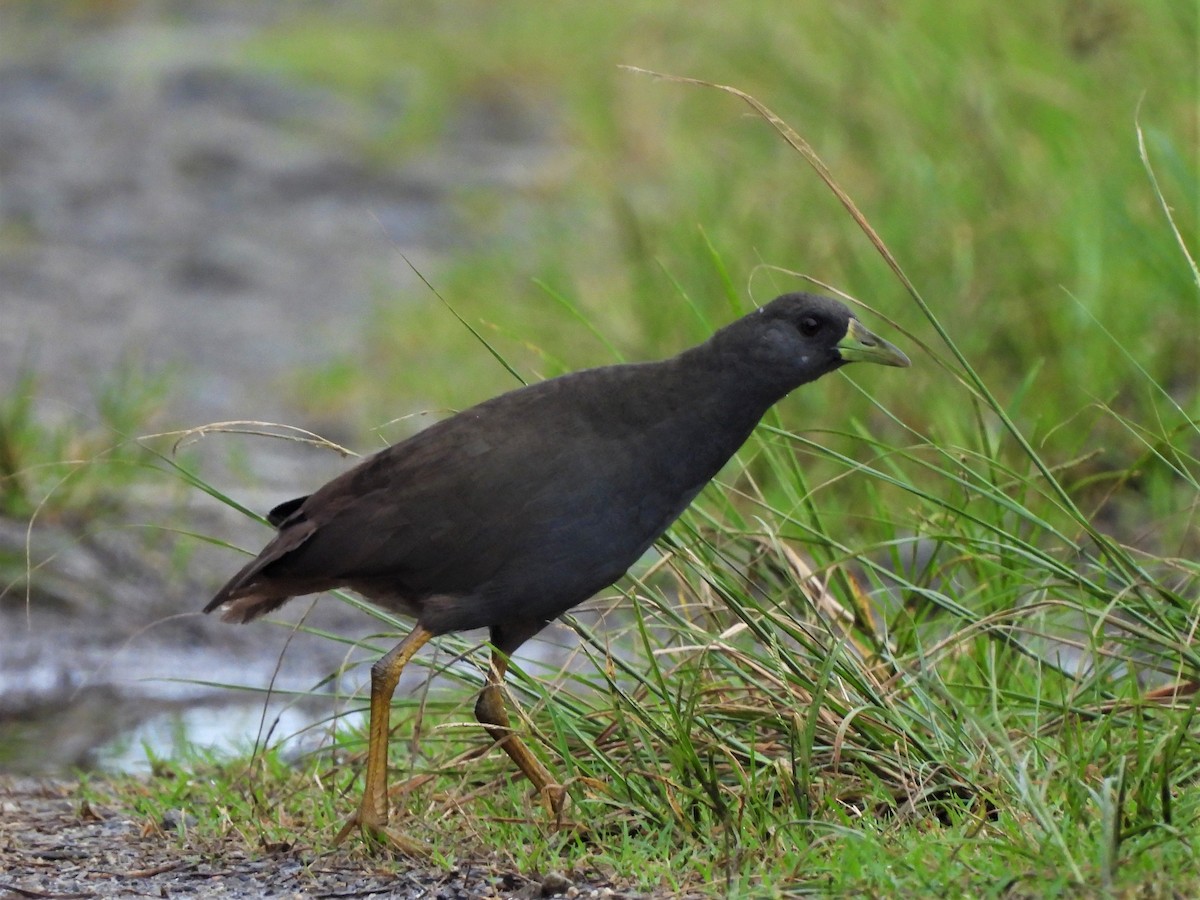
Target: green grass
[57, 461]
[997, 154]
[856, 669]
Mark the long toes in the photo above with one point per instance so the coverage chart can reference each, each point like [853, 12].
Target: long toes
[402, 843]
[352, 824]
[377, 834]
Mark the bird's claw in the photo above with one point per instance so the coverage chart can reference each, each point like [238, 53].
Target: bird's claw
[378, 834]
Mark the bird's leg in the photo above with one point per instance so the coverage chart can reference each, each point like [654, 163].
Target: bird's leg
[491, 714]
[372, 813]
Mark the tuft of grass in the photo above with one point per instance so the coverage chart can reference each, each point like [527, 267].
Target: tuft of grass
[53, 465]
[68, 470]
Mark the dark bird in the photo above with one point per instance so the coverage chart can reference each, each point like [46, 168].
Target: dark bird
[512, 512]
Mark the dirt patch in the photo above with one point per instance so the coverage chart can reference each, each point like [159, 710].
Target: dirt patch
[56, 845]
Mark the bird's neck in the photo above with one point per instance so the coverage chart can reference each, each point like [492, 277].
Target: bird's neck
[714, 407]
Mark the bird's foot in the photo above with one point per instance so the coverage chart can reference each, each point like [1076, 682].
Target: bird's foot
[556, 800]
[377, 833]
[558, 803]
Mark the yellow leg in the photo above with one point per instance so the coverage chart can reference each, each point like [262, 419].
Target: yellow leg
[372, 814]
[491, 714]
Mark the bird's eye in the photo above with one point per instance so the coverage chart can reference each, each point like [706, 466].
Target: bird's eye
[810, 325]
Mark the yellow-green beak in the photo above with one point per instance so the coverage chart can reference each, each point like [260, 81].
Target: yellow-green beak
[859, 345]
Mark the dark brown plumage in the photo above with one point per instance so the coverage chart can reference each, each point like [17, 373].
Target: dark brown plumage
[510, 513]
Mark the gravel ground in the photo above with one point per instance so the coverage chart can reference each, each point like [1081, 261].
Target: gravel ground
[56, 846]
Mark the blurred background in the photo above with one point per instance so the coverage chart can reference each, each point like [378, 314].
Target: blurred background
[217, 211]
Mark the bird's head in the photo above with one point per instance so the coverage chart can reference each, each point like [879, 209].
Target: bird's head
[797, 338]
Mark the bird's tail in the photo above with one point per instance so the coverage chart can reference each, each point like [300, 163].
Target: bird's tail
[245, 597]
